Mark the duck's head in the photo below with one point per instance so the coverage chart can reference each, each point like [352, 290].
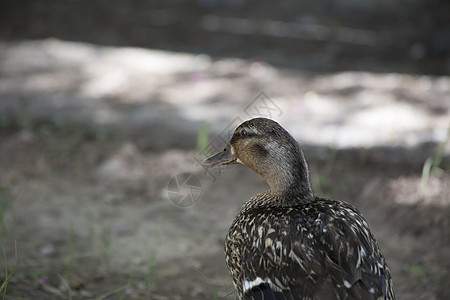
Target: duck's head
[268, 149]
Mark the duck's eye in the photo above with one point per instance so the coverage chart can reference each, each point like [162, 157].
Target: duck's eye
[243, 132]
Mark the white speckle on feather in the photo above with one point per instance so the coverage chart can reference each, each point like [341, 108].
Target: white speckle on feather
[248, 285]
[358, 262]
[362, 252]
[347, 284]
[271, 230]
[260, 231]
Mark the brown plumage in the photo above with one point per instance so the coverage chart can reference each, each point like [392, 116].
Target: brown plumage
[287, 243]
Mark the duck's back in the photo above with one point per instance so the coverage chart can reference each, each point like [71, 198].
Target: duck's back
[275, 252]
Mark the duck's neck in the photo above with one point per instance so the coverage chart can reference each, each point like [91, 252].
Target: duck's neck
[288, 176]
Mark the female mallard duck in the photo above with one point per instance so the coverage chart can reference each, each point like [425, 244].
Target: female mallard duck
[286, 243]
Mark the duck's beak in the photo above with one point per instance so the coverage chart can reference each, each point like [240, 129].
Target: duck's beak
[226, 157]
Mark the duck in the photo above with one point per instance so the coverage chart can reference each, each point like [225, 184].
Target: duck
[288, 243]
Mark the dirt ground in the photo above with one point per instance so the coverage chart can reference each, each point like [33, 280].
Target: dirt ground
[93, 213]
[95, 136]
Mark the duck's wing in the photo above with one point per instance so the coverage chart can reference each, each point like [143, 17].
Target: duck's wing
[353, 259]
[278, 259]
[289, 255]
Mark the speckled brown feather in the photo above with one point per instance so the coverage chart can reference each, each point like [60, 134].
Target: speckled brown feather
[286, 242]
[304, 245]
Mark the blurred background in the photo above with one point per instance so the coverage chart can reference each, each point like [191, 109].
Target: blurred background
[107, 108]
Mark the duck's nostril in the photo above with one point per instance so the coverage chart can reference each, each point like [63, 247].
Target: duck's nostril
[224, 149]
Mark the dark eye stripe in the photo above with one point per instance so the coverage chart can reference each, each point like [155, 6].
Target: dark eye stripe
[248, 134]
[243, 133]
